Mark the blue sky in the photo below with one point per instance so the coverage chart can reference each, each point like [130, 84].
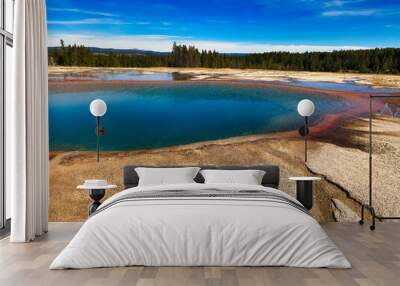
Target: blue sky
[226, 25]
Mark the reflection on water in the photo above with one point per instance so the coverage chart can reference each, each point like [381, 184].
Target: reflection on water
[168, 76]
[345, 86]
[131, 75]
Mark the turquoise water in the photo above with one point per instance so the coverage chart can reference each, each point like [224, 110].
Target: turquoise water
[145, 117]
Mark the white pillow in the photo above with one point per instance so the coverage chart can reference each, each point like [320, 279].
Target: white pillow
[248, 177]
[165, 176]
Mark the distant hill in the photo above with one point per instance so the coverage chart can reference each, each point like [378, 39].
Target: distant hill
[380, 60]
[136, 52]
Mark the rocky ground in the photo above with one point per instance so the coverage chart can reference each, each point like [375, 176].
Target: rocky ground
[348, 167]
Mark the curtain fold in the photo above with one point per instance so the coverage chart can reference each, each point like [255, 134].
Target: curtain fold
[27, 124]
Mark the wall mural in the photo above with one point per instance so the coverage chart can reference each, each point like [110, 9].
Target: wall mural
[180, 93]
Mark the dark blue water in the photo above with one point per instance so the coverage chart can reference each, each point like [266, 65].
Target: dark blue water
[164, 115]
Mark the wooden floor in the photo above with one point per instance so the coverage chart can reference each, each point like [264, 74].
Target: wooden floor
[375, 257]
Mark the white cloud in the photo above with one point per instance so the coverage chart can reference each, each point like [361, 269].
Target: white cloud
[335, 3]
[217, 21]
[337, 13]
[340, 3]
[162, 6]
[163, 43]
[392, 26]
[94, 21]
[73, 10]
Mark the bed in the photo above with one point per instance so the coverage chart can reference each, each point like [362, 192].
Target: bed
[198, 224]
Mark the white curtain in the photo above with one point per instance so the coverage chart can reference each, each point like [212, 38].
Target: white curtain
[27, 124]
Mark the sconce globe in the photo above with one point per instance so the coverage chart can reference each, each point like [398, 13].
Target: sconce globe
[306, 108]
[98, 107]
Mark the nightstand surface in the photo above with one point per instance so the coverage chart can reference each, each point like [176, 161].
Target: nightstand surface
[86, 187]
[304, 178]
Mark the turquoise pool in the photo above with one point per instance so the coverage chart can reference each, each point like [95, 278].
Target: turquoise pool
[159, 115]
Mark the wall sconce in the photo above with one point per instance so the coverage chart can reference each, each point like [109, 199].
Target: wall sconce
[98, 108]
[305, 108]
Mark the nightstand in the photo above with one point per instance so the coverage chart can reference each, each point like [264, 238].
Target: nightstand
[96, 190]
[304, 190]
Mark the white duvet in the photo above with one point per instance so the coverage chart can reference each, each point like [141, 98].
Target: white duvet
[200, 231]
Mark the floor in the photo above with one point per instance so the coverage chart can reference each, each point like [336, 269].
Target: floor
[375, 257]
